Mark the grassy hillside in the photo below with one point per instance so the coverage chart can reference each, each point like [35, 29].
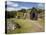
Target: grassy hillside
[27, 25]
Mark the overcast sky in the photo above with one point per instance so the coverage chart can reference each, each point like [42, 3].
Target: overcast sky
[15, 5]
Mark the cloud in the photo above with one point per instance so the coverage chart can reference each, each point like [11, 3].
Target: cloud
[9, 3]
[41, 6]
[23, 7]
[12, 4]
[10, 9]
[15, 9]
[15, 5]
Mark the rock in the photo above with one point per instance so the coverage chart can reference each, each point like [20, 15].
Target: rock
[12, 25]
[18, 26]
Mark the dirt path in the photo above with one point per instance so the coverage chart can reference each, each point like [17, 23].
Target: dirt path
[36, 26]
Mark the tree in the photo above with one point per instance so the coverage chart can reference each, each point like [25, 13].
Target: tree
[33, 10]
[10, 14]
[33, 13]
[40, 10]
[22, 10]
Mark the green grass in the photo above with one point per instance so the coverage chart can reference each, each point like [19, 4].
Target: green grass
[26, 26]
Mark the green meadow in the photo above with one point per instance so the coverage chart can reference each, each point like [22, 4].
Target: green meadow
[27, 25]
